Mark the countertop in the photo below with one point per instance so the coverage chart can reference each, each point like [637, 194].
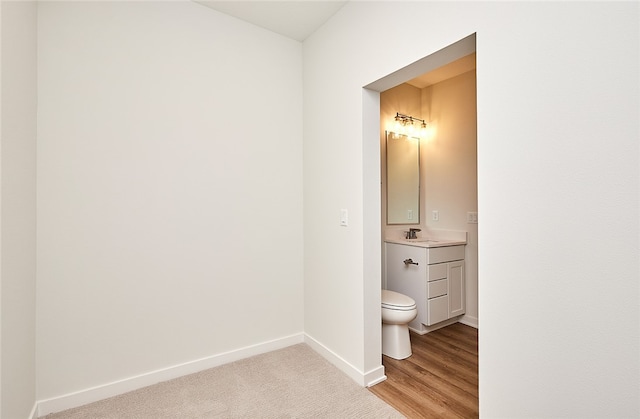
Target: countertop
[427, 242]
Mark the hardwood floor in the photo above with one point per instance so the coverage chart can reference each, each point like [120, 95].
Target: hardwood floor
[440, 378]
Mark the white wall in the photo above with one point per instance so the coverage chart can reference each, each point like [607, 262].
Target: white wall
[333, 254]
[169, 189]
[137, 120]
[558, 113]
[18, 209]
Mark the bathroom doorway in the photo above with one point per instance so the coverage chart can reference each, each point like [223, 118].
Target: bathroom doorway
[445, 185]
[448, 209]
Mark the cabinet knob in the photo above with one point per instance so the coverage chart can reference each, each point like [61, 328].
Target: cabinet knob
[410, 262]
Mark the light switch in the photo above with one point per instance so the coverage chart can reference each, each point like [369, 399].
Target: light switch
[472, 218]
[344, 217]
[409, 214]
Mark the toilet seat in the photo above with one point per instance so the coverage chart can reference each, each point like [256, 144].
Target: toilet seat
[392, 300]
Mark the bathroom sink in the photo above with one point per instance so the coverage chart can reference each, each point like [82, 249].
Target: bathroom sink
[428, 242]
[435, 238]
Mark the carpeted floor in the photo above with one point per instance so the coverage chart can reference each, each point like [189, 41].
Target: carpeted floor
[293, 382]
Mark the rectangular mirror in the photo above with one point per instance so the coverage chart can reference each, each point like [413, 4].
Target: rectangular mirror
[403, 179]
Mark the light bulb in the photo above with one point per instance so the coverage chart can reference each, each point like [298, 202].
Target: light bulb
[410, 127]
[423, 130]
[397, 126]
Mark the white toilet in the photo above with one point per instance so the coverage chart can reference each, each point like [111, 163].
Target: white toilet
[397, 311]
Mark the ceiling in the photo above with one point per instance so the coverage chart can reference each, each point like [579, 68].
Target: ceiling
[447, 71]
[294, 19]
[297, 19]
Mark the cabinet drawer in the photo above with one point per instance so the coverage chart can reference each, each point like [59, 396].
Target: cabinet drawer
[445, 254]
[438, 309]
[437, 288]
[436, 272]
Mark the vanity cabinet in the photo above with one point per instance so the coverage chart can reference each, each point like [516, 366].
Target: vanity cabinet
[432, 276]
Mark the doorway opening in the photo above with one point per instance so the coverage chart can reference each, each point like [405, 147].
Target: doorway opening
[374, 120]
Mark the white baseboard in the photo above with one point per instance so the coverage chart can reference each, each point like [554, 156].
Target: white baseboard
[34, 411]
[364, 379]
[375, 376]
[428, 329]
[469, 321]
[90, 395]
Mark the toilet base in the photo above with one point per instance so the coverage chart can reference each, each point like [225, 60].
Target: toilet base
[396, 342]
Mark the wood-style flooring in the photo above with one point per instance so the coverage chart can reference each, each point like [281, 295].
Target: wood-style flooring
[440, 378]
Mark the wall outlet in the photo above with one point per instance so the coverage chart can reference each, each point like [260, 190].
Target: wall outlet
[472, 218]
[435, 215]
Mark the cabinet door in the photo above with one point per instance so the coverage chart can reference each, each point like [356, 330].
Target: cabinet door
[438, 310]
[457, 299]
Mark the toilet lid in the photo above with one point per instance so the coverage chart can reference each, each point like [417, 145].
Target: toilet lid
[396, 301]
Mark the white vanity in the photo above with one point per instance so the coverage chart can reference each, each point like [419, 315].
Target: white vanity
[431, 271]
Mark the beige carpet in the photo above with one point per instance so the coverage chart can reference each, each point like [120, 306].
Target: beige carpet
[293, 382]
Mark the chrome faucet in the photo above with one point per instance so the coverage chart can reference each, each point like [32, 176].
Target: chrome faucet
[411, 234]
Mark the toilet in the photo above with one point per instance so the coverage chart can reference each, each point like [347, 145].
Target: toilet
[397, 311]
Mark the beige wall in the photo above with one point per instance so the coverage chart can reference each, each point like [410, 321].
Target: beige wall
[447, 163]
[18, 210]
[450, 169]
[405, 99]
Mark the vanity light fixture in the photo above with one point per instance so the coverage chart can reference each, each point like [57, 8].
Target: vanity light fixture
[404, 125]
